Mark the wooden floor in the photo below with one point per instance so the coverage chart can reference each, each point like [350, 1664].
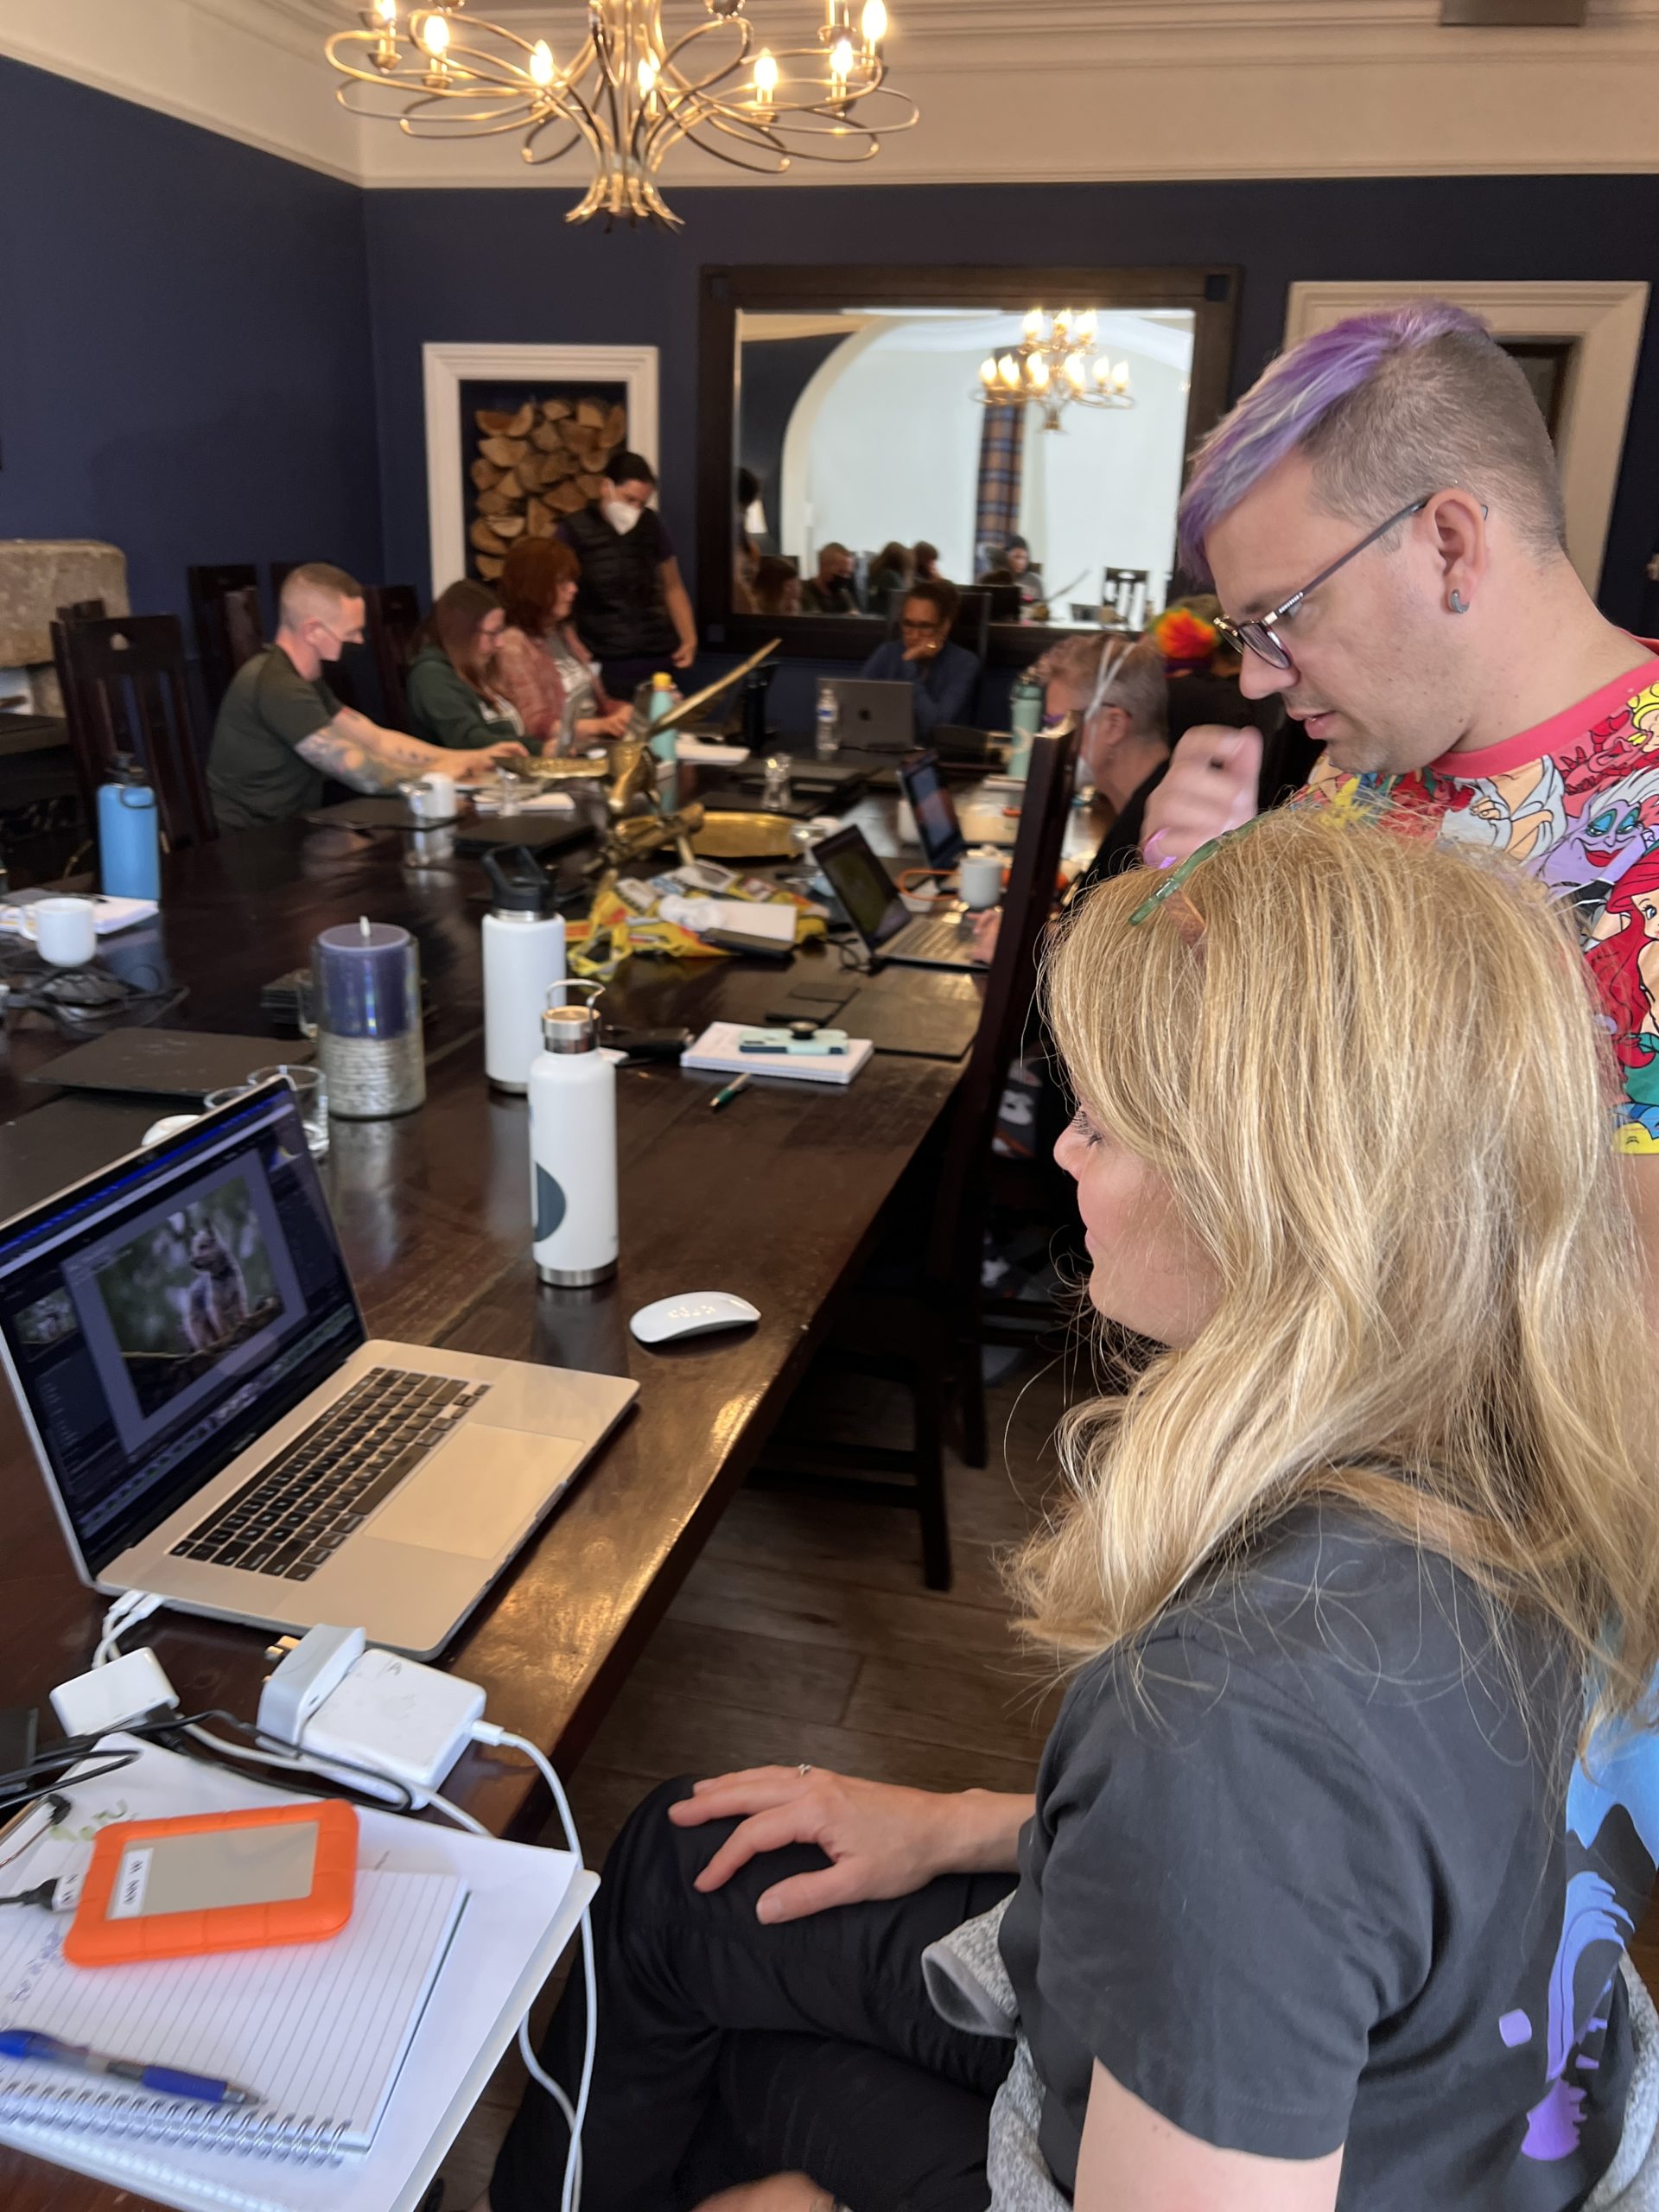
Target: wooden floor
[804, 1633]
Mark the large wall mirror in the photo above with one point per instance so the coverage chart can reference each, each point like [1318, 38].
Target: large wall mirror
[873, 409]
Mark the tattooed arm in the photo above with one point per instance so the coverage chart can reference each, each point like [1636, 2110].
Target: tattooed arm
[355, 750]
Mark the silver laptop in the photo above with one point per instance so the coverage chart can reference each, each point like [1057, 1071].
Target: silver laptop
[215, 1423]
[877, 912]
[876, 717]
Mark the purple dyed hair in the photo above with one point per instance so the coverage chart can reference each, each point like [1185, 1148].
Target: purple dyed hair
[1292, 395]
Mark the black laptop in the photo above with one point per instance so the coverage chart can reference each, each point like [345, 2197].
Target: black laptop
[878, 914]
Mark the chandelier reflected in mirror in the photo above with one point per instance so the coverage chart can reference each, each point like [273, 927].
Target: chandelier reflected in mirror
[619, 85]
[1056, 365]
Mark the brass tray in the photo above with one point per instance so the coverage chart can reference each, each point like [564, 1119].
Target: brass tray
[745, 837]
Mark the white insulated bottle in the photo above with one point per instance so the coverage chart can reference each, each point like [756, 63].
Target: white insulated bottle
[573, 1150]
[524, 955]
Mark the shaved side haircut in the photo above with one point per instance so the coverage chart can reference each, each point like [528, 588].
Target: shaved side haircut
[313, 589]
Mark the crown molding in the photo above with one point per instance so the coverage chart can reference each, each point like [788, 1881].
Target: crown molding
[1145, 90]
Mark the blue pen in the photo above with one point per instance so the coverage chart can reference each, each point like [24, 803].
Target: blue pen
[165, 2080]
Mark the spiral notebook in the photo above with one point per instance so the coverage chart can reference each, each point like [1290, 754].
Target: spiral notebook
[318, 2031]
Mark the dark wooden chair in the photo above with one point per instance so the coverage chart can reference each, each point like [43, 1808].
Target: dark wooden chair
[125, 690]
[918, 1321]
[392, 626]
[210, 587]
[1125, 589]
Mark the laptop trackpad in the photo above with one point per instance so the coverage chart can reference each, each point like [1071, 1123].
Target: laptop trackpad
[479, 1492]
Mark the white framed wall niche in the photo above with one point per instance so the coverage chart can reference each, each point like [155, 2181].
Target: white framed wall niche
[1601, 323]
[462, 472]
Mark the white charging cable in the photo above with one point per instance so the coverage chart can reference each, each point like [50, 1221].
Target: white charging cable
[136, 1605]
[485, 1731]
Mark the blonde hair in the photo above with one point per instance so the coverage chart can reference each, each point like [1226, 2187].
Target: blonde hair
[1371, 1072]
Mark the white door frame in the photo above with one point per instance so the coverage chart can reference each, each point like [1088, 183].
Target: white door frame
[1606, 321]
[446, 368]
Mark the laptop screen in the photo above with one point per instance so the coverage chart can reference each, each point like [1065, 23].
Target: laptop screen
[935, 810]
[863, 886]
[159, 1318]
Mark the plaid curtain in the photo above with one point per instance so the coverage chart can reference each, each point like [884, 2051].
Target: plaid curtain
[1001, 448]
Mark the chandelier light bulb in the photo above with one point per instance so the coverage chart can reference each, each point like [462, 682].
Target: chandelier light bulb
[1074, 372]
[1008, 369]
[1037, 373]
[987, 372]
[1087, 326]
[1120, 377]
[647, 75]
[387, 11]
[1061, 322]
[840, 60]
[435, 36]
[1034, 323]
[542, 68]
[1102, 372]
[766, 76]
[874, 24]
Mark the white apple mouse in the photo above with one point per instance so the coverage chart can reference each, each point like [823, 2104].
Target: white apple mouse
[693, 1313]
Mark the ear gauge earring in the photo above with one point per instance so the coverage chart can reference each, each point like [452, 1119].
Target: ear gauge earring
[1457, 603]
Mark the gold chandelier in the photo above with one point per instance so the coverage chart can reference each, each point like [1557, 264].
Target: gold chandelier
[627, 91]
[1055, 365]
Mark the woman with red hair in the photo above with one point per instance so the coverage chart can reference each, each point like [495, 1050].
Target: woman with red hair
[540, 665]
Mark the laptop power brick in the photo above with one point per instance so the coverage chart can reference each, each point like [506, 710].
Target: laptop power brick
[336, 1699]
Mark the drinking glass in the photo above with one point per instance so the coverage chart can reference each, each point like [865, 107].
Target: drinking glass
[312, 1092]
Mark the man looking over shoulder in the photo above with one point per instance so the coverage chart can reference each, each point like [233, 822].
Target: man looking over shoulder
[281, 734]
[1382, 517]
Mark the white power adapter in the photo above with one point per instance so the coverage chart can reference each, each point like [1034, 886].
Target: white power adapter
[380, 1711]
[110, 1697]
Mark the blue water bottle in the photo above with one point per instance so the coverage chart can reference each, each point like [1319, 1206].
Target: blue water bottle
[128, 842]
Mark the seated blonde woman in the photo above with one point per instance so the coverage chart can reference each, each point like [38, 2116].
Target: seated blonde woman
[1315, 1905]
[540, 663]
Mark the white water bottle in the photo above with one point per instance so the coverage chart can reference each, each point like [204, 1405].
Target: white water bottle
[828, 727]
[573, 1150]
[524, 956]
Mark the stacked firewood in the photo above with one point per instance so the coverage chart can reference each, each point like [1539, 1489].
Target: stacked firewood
[545, 460]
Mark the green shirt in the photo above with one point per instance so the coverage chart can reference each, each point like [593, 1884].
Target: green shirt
[444, 708]
[255, 772]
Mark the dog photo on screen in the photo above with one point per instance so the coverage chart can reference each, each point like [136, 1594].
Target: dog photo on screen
[187, 1291]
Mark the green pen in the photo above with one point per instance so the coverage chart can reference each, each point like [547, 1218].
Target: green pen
[724, 1097]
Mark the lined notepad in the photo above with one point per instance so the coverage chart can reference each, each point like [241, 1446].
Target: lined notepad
[319, 2030]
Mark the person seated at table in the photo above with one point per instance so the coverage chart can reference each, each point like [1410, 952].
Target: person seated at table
[453, 695]
[1016, 559]
[540, 665]
[1315, 1905]
[830, 592]
[776, 586]
[1116, 687]
[281, 735]
[943, 676]
[892, 570]
[926, 558]
[632, 612]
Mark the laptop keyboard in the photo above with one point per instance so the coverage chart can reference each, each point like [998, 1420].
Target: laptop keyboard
[301, 1506]
[933, 940]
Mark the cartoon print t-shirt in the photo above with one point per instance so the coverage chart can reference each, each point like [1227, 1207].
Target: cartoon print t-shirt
[1315, 1878]
[1576, 801]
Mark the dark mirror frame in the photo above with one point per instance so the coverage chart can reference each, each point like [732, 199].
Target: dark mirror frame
[1211, 294]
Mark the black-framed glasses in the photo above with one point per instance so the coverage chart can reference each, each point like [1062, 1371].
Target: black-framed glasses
[1258, 635]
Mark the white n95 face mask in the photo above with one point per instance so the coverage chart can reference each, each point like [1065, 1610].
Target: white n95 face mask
[621, 515]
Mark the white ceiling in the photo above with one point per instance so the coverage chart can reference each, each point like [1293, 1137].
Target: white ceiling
[1021, 90]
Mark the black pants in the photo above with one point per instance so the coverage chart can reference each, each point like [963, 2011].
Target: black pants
[729, 2050]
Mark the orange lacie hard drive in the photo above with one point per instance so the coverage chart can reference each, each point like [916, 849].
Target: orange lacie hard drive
[216, 1882]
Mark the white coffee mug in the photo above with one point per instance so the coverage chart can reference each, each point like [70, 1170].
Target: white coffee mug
[64, 930]
[979, 876]
[433, 799]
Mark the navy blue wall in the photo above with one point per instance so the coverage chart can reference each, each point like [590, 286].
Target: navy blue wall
[504, 266]
[185, 345]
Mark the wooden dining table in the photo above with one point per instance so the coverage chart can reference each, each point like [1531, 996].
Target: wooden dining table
[778, 1198]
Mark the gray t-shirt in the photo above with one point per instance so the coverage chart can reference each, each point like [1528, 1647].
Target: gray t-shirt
[1333, 1887]
[254, 769]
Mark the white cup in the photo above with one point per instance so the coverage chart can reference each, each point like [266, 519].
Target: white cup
[979, 877]
[64, 930]
[433, 799]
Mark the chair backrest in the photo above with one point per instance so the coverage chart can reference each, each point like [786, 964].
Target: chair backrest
[1033, 874]
[83, 610]
[245, 625]
[209, 589]
[1125, 589]
[392, 618]
[126, 690]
